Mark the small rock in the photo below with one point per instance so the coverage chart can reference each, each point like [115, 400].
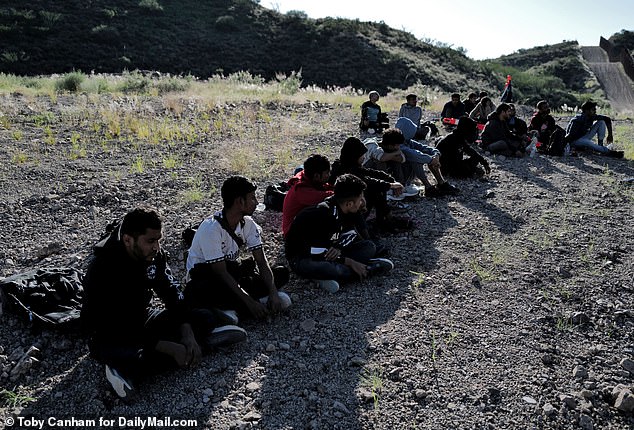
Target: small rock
[252, 416]
[501, 157]
[563, 272]
[476, 280]
[489, 194]
[625, 401]
[585, 422]
[569, 401]
[208, 392]
[319, 347]
[366, 395]
[580, 372]
[529, 400]
[358, 361]
[579, 318]
[549, 410]
[628, 365]
[308, 325]
[270, 347]
[253, 386]
[9, 262]
[420, 394]
[284, 346]
[548, 359]
[220, 383]
[340, 407]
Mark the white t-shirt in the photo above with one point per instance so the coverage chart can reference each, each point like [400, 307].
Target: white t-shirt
[375, 152]
[213, 243]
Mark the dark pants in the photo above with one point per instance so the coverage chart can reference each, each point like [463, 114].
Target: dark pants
[136, 358]
[311, 268]
[465, 168]
[206, 289]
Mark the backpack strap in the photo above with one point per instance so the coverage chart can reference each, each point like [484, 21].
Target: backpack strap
[222, 220]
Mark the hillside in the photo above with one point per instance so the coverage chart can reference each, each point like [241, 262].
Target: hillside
[225, 36]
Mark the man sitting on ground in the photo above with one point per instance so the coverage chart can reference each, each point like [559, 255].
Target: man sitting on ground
[130, 337]
[307, 188]
[517, 126]
[323, 242]
[470, 103]
[411, 110]
[583, 127]
[454, 108]
[454, 146]
[421, 154]
[480, 113]
[496, 136]
[218, 279]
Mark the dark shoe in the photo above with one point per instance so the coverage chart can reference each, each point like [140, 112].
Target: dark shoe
[433, 191]
[121, 386]
[447, 188]
[225, 316]
[378, 266]
[616, 154]
[226, 335]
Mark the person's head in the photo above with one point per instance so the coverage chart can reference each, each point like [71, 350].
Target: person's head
[543, 108]
[412, 99]
[589, 108]
[239, 191]
[392, 140]
[140, 232]
[503, 111]
[352, 152]
[472, 97]
[348, 193]
[511, 110]
[483, 94]
[373, 96]
[467, 129]
[317, 168]
[455, 98]
[486, 101]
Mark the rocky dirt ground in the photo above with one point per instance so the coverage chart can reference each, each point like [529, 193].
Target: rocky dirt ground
[511, 305]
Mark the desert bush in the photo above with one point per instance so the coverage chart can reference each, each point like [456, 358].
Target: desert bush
[289, 84]
[70, 82]
[135, 82]
[169, 85]
[244, 78]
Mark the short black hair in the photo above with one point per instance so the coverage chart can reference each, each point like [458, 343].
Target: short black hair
[137, 221]
[472, 95]
[541, 104]
[234, 187]
[483, 94]
[455, 95]
[502, 107]
[348, 187]
[587, 105]
[316, 163]
[466, 126]
[392, 136]
[411, 96]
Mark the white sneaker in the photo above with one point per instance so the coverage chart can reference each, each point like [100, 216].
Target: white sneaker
[121, 386]
[284, 298]
[394, 198]
[410, 191]
[328, 285]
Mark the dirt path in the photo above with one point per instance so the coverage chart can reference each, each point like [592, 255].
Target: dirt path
[616, 84]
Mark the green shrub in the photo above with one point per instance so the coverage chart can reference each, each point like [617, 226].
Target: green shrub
[151, 5]
[226, 22]
[289, 84]
[70, 82]
[244, 77]
[135, 83]
[172, 85]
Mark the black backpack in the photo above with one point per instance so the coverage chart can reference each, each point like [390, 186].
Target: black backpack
[556, 144]
[49, 297]
[274, 196]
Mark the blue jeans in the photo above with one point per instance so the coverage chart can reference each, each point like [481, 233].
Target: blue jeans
[308, 267]
[598, 129]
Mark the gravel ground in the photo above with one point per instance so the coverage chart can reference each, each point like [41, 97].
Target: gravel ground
[511, 305]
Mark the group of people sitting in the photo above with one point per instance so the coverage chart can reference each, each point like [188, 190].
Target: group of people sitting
[329, 237]
[505, 133]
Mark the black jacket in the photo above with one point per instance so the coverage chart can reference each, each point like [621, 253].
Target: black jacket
[118, 291]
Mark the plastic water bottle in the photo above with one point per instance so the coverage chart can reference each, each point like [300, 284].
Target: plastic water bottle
[533, 147]
[567, 150]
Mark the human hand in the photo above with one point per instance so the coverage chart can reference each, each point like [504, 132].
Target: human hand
[193, 354]
[358, 268]
[609, 139]
[397, 188]
[274, 303]
[435, 162]
[332, 254]
[257, 309]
